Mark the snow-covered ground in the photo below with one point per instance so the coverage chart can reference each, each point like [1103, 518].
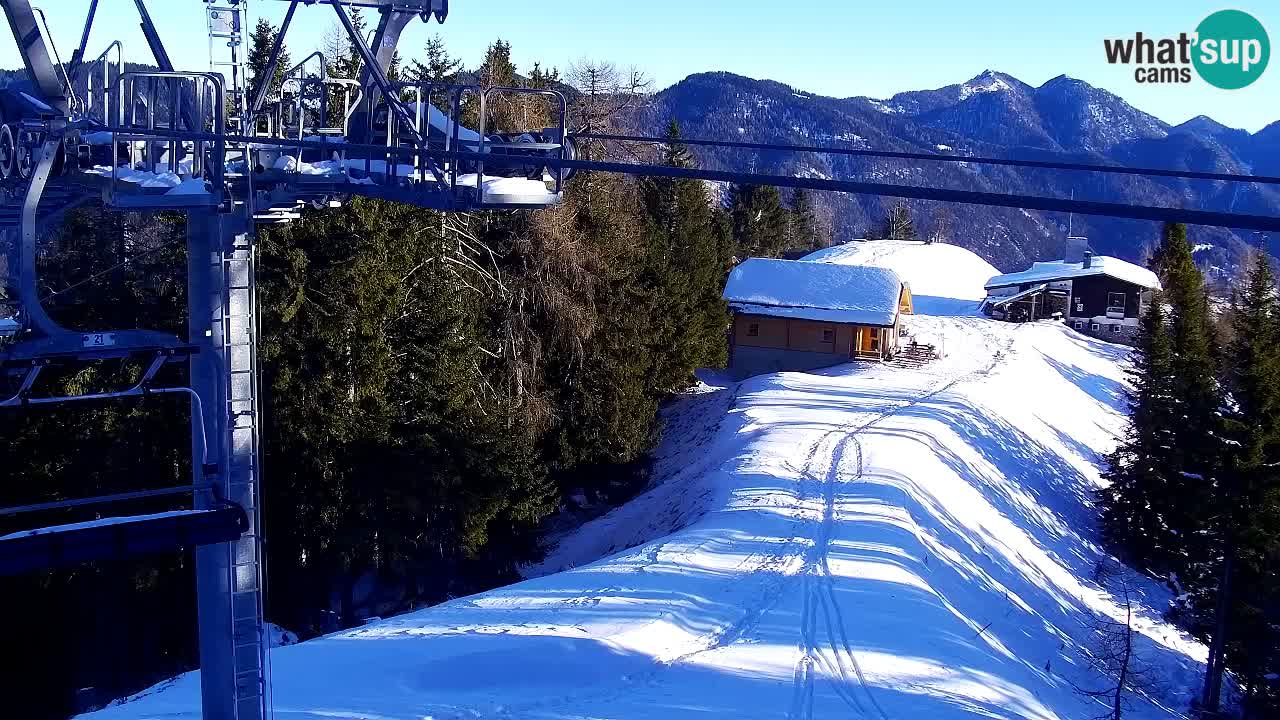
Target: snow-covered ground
[868, 541]
[944, 279]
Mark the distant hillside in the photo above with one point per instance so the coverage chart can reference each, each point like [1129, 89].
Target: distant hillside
[993, 114]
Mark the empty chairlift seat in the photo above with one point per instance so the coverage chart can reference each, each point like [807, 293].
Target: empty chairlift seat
[118, 538]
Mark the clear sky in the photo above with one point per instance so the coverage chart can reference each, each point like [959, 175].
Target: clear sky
[831, 47]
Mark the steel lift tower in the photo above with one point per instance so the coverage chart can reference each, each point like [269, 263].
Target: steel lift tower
[195, 142]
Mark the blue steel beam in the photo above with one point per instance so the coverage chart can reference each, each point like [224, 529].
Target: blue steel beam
[35, 54]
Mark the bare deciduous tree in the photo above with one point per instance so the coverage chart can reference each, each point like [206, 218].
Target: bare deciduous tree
[1112, 652]
[942, 225]
[608, 93]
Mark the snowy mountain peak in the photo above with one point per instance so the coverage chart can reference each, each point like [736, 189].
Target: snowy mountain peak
[1204, 123]
[988, 81]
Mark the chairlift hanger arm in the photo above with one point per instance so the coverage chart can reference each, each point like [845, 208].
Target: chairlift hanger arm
[153, 38]
[35, 54]
[273, 61]
[77, 57]
[375, 71]
[385, 40]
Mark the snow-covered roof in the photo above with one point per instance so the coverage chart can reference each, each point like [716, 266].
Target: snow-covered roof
[8, 326]
[825, 292]
[930, 269]
[1025, 293]
[1062, 270]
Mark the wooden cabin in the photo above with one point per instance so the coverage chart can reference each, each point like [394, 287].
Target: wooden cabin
[800, 315]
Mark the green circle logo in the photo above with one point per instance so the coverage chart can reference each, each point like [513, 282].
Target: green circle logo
[1232, 49]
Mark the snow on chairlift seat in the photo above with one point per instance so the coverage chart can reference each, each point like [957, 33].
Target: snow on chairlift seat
[497, 190]
[160, 182]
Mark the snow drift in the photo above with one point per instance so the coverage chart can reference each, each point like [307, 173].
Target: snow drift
[944, 279]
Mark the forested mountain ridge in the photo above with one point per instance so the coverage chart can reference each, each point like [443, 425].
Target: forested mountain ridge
[997, 115]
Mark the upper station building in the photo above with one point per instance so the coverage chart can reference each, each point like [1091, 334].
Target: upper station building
[1099, 295]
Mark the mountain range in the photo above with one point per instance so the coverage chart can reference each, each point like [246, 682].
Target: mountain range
[995, 115]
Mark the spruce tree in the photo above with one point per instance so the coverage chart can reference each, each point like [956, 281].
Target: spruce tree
[1135, 512]
[1198, 432]
[440, 68]
[261, 41]
[497, 70]
[688, 260]
[1239, 587]
[804, 222]
[1164, 475]
[759, 220]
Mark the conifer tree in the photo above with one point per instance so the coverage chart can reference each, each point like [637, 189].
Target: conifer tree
[1200, 451]
[1134, 513]
[440, 68]
[1164, 475]
[689, 262]
[497, 70]
[804, 222]
[1238, 587]
[261, 42]
[759, 220]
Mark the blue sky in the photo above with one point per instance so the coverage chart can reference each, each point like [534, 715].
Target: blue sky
[831, 47]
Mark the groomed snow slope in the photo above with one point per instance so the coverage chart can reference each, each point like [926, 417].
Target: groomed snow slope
[870, 542]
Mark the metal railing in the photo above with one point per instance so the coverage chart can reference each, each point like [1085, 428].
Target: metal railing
[99, 99]
[315, 87]
[192, 99]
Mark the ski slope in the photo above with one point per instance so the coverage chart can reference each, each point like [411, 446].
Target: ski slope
[867, 541]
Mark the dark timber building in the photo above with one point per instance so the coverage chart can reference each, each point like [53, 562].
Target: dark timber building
[1098, 295]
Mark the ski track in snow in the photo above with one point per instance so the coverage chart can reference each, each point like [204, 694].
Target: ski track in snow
[817, 577]
[867, 541]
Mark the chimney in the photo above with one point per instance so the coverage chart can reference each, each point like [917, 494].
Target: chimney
[1088, 259]
[1076, 247]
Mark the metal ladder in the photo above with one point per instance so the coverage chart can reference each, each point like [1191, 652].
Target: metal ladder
[228, 22]
[239, 352]
[230, 582]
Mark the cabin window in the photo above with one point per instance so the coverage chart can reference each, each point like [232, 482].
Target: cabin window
[1079, 306]
[1115, 328]
[1115, 302]
[1079, 324]
[753, 329]
[828, 335]
[1095, 327]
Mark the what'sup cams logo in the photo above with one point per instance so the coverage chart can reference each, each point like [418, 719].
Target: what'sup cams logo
[1229, 49]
